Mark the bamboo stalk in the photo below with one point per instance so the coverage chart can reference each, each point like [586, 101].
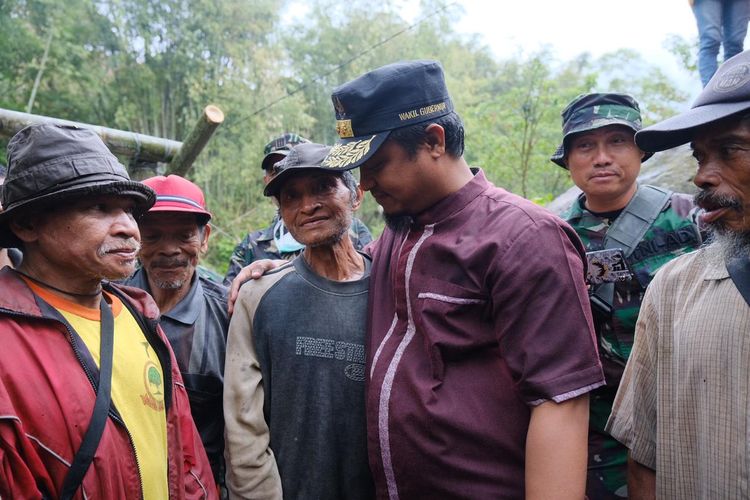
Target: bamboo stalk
[38, 78]
[120, 142]
[194, 143]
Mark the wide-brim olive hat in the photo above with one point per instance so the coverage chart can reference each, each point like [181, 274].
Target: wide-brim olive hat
[727, 94]
[302, 157]
[50, 164]
[369, 107]
[596, 110]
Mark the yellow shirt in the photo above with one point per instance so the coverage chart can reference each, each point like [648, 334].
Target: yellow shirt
[137, 384]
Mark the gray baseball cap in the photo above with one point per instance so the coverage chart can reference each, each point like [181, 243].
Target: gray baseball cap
[727, 94]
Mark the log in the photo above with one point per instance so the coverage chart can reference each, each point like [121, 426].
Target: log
[122, 143]
[192, 146]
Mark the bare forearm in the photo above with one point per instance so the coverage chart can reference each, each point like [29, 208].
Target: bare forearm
[556, 450]
[641, 481]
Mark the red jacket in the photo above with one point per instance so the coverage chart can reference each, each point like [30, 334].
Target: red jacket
[46, 400]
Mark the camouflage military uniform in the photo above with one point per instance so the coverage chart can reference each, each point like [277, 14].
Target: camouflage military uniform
[260, 245]
[672, 234]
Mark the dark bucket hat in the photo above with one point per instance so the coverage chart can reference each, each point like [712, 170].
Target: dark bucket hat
[50, 163]
[592, 111]
[280, 146]
[303, 157]
[727, 94]
[391, 97]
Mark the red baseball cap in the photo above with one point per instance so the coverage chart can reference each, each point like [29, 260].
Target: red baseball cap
[177, 194]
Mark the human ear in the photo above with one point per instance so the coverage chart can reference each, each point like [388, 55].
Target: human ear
[358, 201]
[435, 139]
[204, 242]
[25, 228]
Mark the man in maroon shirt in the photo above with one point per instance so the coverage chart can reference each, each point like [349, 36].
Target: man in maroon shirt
[481, 348]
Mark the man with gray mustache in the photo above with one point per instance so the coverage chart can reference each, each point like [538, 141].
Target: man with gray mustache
[92, 404]
[682, 407]
[193, 308]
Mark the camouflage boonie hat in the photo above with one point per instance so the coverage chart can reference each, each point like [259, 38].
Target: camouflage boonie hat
[592, 111]
[280, 146]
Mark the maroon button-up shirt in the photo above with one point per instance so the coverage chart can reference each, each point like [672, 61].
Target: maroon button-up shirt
[477, 312]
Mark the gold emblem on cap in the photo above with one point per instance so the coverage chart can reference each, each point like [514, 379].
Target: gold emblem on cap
[344, 128]
[343, 155]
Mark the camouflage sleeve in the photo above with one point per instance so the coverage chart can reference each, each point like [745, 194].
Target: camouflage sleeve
[360, 234]
[238, 260]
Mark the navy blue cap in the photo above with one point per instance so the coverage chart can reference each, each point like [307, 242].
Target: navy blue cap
[391, 97]
[727, 94]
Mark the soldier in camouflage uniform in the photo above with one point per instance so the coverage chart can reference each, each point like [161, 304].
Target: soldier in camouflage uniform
[604, 161]
[274, 241]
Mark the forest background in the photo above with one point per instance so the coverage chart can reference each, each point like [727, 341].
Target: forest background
[151, 66]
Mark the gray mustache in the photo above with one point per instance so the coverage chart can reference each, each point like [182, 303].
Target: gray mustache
[130, 244]
[706, 199]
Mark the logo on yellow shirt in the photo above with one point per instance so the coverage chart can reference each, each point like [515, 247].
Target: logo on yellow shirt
[154, 384]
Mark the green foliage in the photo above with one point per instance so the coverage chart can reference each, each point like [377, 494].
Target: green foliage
[152, 66]
[685, 51]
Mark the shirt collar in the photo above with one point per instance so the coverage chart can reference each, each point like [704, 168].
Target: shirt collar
[576, 210]
[455, 201]
[715, 268]
[186, 311]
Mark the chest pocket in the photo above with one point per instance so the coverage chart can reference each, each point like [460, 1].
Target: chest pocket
[452, 321]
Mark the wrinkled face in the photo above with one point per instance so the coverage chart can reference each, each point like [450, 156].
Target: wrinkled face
[396, 181]
[604, 163]
[317, 208]
[172, 245]
[98, 237]
[723, 154]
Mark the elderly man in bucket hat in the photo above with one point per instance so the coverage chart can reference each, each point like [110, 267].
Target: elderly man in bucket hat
[193, 308]
[295, 375]
[682, 406]
[621, 222]
[92, 404]
[481, 349]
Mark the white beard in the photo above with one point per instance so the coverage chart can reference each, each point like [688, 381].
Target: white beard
[732, 244]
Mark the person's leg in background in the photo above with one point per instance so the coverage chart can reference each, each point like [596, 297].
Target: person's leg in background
[736, 16]
[708, 17]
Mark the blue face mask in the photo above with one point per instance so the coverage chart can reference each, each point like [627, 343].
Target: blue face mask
[284, 240]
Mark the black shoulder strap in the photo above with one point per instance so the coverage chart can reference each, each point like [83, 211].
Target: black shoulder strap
[90, 443]
[627, 231]
[739, 271]
[636, 219]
